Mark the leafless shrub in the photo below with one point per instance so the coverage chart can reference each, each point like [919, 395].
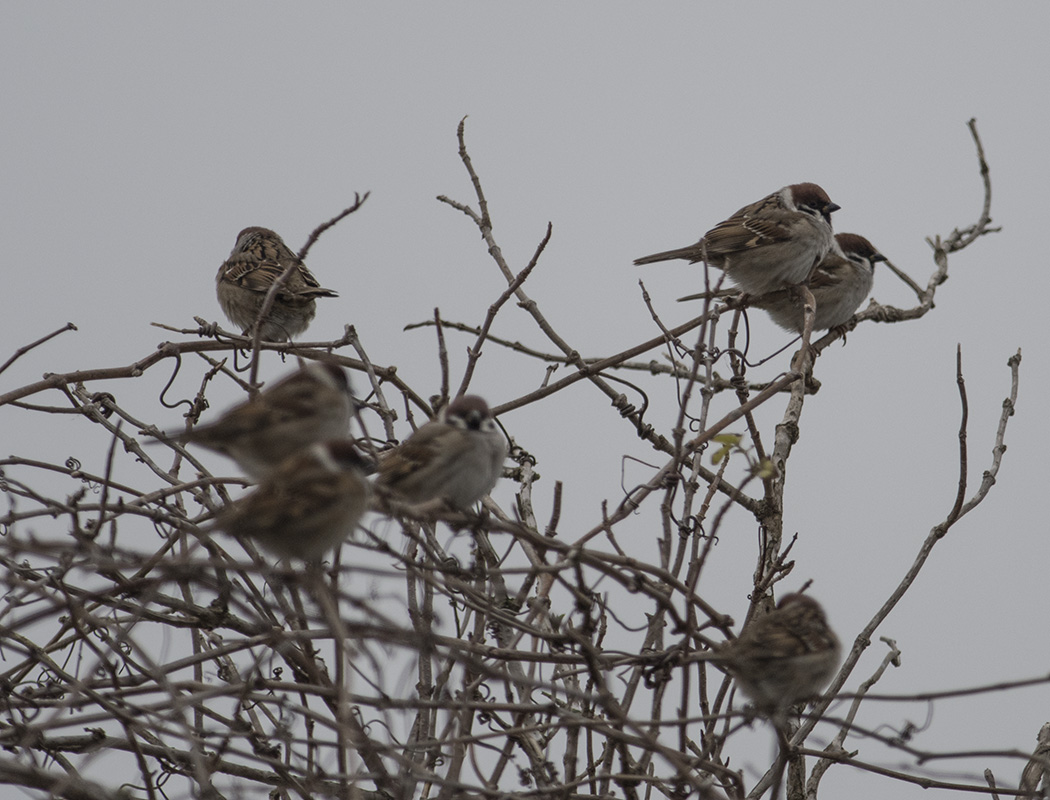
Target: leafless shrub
[144, 656]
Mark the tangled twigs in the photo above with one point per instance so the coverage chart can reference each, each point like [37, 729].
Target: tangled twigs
[441, 653]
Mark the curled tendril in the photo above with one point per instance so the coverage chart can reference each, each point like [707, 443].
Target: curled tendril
[520, 455]
[72, 464]
[237, 366]
[171, 380]
[627, 409]
[105, 401]
[163, 530]
[208, 330]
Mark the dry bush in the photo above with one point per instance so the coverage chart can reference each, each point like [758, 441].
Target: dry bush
[461, 656]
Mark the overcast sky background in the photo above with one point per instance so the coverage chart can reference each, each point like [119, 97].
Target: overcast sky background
[138, 139]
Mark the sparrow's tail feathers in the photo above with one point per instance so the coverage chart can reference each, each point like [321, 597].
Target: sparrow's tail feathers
[720, 295]
[692, 252]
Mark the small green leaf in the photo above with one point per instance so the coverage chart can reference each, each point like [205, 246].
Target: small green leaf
[729, 439]
[764, 469]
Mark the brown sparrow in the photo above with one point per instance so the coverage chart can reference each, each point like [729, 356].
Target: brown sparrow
[310, 405]
[258, 259]
[784, 657]
[839, 285]
[309, 504]
[769, 244]
[457, 457]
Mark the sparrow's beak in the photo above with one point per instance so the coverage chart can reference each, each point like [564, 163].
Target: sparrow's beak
[828, 209]
[878, 257]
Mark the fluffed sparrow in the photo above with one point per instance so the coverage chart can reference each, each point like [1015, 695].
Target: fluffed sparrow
[770, 244]
[258, 259]
[784, 657]
[311, 503]
[457, 457]
[839, 285]
[309, 405]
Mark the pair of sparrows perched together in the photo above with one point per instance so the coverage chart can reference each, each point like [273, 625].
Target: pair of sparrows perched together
[781, 241]
[313, 488]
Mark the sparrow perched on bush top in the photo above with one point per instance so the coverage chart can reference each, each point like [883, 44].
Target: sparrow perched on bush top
[308, 505]
[258, 259]
[770, 244]
[839, 285]
[457, 457]
[309, 405]
[784, 657]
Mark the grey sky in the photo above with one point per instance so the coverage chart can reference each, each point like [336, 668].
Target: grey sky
[140, 138]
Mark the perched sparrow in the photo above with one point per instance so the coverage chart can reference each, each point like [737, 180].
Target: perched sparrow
[839, 285]
[767, 245]
[310, 405]
[311, 503]
[457, 458]
[784, 657]
[258, 259]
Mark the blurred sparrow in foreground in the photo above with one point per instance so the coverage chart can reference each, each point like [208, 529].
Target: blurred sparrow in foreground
[310, 405]
[456, 458]
[258, 259]
[784, 657]
[769, 244]
[311, 503]
[839, 285]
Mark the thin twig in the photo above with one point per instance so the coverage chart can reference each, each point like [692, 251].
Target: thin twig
[359, 200]
[21, 351]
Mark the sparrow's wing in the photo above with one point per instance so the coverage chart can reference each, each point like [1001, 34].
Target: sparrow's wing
[296, 397]
[757, 225]
[792, 632]
[831, 272]
[259, 275]
[291, 400]
[419, 450]
[300, 495]
[764, 641]
[234, 425]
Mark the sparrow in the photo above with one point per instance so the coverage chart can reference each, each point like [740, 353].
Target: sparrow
[839, 285]
[457, 457]
[308, 505]
[784, 657]
[258, 259]
[770, 244]
[309, 405]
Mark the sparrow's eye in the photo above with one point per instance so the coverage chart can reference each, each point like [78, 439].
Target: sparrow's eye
[814, 210]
